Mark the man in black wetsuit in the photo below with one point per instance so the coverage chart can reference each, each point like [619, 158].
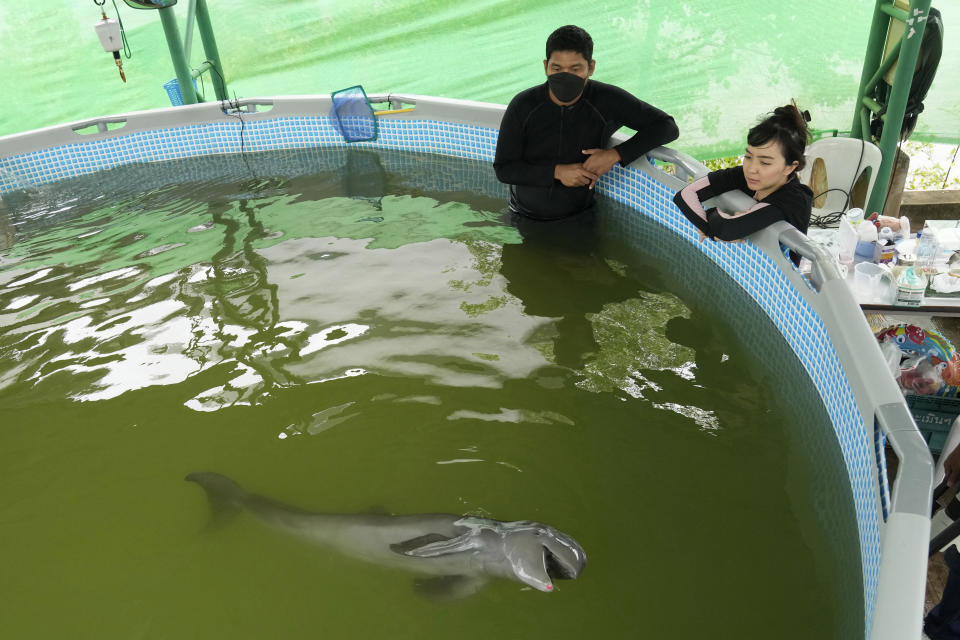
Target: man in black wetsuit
[550, 149]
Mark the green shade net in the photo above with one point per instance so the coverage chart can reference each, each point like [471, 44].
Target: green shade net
[716, 66]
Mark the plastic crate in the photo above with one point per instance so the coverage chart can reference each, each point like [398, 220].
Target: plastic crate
[934, 416]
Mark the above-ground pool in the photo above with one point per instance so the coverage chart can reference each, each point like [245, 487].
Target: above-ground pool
[365, 329]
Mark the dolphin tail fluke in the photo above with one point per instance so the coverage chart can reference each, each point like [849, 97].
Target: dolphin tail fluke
[224, 495]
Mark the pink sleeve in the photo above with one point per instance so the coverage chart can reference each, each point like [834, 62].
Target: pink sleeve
[759, 205]
[689, 195]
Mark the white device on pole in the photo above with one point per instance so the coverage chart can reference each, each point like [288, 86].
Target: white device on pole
[111, 39]
[108, 30]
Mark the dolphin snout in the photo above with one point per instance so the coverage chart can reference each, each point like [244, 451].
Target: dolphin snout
[539, 554]
[564, 556]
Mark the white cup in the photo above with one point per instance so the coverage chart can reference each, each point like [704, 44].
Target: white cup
[868, 282]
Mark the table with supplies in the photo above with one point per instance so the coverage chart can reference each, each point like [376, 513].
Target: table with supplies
[874, 286]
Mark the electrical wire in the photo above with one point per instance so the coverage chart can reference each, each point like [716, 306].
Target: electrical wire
[213, 67]
[831, 219]
[232, 109]
[127, 52]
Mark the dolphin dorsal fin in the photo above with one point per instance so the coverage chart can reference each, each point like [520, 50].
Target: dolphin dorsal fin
[434, 544]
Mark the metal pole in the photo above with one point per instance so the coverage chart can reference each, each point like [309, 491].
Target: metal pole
[210, 50]
[897, 101]
[202, 69]
[180, 65]
[188, 32]
[888, 62]
[875, 44]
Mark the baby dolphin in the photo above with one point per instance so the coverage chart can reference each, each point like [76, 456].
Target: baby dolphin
[460, 553]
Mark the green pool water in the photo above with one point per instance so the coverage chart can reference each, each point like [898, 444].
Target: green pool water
[349, 331]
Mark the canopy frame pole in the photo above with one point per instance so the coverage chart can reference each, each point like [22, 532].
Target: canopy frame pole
[180, 57]
[875, 65]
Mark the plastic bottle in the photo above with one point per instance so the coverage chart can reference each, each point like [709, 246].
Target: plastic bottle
[866, 240]
[910, 287]
[927, 249]
[846, 242]
[904, 227]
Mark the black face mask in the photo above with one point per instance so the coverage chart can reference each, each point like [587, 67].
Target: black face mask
[566, 86]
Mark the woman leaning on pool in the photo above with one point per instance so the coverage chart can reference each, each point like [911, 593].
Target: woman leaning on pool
[773, 157]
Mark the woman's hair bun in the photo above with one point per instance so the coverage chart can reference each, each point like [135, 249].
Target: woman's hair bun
[788, 126]
[790, 116]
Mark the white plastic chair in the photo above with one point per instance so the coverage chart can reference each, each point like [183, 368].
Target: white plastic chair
[844, 159]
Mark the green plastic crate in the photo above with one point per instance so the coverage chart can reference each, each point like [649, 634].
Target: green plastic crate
[934, 416]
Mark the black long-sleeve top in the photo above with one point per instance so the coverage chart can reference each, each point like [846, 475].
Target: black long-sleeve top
[791, 202]
[537, 134]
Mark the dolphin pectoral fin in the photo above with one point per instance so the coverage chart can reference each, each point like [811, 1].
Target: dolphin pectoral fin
[448, 587]
[409, 547]
[435, 544]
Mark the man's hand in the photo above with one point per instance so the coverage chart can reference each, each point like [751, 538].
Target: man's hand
[600, 161]
[574, 175]
[951, 467]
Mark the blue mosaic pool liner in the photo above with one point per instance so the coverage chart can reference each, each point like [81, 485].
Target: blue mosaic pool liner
[880, 441]
[751, 268]
[807, 336]
[82, 158]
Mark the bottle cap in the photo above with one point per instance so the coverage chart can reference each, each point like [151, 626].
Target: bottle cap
[855, 215]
